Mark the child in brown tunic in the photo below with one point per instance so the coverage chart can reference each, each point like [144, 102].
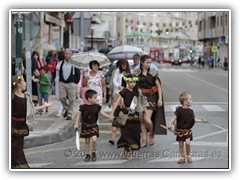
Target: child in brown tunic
[89, 114]
[130, 132]
[22, 109]
[185, 118]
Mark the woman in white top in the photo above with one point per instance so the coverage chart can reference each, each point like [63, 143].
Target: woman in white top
[60, 58]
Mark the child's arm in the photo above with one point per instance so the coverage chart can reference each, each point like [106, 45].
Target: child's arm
[105, 114]
[43, 106]
[77, 120]
[173, 121]
[115, 106]
[201, 121]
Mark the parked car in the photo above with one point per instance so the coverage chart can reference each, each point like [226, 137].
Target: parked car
[176, 62]
[163, 60]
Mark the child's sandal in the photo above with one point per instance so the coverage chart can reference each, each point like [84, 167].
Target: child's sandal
[181, 160]
[189, 159]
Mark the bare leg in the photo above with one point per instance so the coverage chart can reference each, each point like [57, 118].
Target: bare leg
[131, 155]
[188, 149]
[149, 126]
[94, 143]
[181, 149]
[144, 133]
[114, 133]
[87, 145]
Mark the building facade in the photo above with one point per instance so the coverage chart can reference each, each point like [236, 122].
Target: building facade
[214, 32]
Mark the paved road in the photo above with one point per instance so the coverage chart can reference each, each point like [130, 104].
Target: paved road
[209, 147]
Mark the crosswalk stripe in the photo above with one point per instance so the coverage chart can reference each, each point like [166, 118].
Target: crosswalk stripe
[213, 108]
[175, 159]
[99, 162]
[195, 107]
[39, 165]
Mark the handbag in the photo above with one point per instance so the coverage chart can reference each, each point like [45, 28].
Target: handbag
[121, 117]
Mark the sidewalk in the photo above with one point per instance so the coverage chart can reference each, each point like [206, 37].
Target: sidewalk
[48, 128]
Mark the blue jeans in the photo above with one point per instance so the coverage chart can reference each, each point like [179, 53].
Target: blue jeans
[44, 96]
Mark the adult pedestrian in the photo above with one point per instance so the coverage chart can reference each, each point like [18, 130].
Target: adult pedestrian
[60, 59]
[136, 63]
[37, 63]
[68, 77]
[150, 85]
[95, 80]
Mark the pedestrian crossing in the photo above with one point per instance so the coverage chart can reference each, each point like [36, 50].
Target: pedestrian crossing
[176, 70]
[197, 107]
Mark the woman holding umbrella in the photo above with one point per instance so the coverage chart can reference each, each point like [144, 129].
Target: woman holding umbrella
[95, 80]
[150, 85]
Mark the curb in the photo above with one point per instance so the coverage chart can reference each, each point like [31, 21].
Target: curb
[66, 132]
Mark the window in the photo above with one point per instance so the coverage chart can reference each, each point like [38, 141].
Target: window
[226, 19]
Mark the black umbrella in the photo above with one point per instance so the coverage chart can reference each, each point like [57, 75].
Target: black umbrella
[105, 50]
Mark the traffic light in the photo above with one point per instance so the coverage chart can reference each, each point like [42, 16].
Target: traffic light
[190, 51]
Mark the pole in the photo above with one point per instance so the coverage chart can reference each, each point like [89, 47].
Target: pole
[91, 39]
[82, 30]
[28, 56]
[19, 31]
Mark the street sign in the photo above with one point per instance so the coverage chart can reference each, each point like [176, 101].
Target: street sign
[106, 35]
[214, 49]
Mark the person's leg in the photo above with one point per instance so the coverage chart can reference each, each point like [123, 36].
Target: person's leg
[87, 149]
[181, 149]
[114, 133]
[131, 155]
[71, 90]
[144, 132]
[94, 148]
[149, 126]
[188, 150]
[63, 96]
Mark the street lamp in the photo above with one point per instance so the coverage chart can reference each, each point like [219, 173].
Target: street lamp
[92, 33]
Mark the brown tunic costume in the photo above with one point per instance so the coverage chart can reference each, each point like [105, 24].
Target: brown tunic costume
[130, 132]
[89, 120]
[185, 121]
[19, 130]
[148, 88]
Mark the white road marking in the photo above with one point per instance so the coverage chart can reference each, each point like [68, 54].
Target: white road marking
[171, 159]
[203, 143]
[38, 165]
[82, 163]
[213, 108]
[193, 77]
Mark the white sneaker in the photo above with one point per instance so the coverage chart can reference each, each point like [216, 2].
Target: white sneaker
[59, 114]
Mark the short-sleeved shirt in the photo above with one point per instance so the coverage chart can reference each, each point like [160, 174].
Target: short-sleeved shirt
[44, 88]
[90, 113]
[127, 96]
[185, 118]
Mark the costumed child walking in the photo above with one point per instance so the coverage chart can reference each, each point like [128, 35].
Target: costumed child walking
[88, 113]
[133, 108]
[23, 111]
[185, 119]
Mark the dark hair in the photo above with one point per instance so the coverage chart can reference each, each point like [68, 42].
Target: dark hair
[33, 54]
[131, 75]
[90, 93]
[136, 56]
[94, 62]
[122, 62]
[61, 55]
[143, 59]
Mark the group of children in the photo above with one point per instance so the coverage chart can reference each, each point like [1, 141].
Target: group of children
[183, 118]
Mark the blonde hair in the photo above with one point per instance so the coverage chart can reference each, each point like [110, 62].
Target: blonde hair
[184, 96]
